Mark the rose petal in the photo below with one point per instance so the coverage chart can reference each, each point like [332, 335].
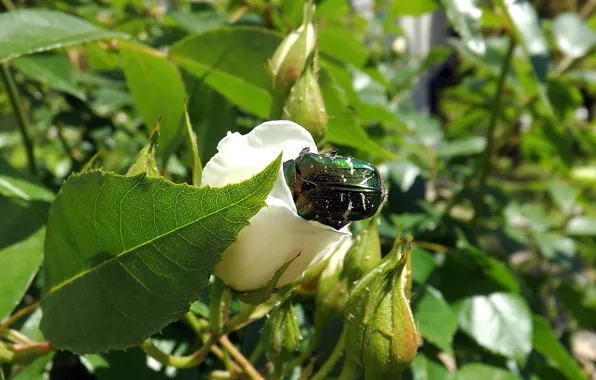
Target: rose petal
[275, 236]
[240, 157]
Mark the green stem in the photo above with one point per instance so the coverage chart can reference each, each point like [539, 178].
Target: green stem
[9, 7]
[189, 361]
[240, 320]
[216, 306]
[348, 370]
[337, 353]
[17, 106]
[485, 166]
[307, 354]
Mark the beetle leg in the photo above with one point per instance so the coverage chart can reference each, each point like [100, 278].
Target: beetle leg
[304, 151]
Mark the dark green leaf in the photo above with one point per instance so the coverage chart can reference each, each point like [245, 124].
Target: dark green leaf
[581, 225]
[425, 369]
[465, 18]
[51, 69]
[233, 61]
[476, 371]
[547, 343]
[125, 256]
[198, 22]
[27, 31]
[437, 322]
[157, 89]
[339, 43]
[572, 35]
[500, 322]
[18, 186]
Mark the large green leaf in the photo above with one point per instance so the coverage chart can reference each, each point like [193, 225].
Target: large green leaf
[157, 89]
[28, 31]
[477, 371]
[339, 42]
[125, 256]
[500, 322]
[438, 323]
[24, 205]
[233, 61]
[547, 343]
[51, 69]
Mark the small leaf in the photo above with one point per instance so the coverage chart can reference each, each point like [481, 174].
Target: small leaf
[126, 256]
[477, 371]
[548, 344]
[51, 69]
[465, 17]
[500, 322]
[466, 146]
[198, 22]
[437, 322]
[581, 226]
[27, 31]
[145, 162]
[423, 264]
[572, 35]
[564, 195]
[339, 43]
[158, 91]
[232, 61]
[197, 167]
[424, 368]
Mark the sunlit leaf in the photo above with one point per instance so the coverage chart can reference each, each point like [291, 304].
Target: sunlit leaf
[572, 35]
[437, 322]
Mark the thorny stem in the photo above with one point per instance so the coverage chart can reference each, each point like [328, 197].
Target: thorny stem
[485, 167]
[17, 106]
[337, 353]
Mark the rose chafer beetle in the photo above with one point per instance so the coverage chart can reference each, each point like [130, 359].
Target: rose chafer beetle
[333, 190]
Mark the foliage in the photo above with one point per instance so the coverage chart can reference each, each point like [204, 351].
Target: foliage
[495, 184]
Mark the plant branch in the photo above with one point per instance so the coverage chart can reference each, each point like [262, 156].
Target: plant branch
[188, 361]
[216, 306]
[17, 106]
[22, 312]
[337, 353]
[240, 359]
[485, 166]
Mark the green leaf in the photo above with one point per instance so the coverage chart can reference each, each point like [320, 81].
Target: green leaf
[423, 264]
[500, 322]
[411, 8]
[213, 115]
[158, 91]
[563, 195]
[144, 162]
[24, 206]
[465, 17]
[424, 368]
[198, 22]
[27, 31]
[125, 256]
[339, 43]
[233, 61]
[581, 226]
[548, 344]
[525, 24]
[466, 146]
[573, 36]
[477, 371]
[437, 322]
[344, 128]
[51, 69]
[197, 167]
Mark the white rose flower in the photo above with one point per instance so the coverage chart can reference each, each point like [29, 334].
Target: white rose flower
[276, 234]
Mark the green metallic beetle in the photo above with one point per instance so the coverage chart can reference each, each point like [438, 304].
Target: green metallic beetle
[333, 190]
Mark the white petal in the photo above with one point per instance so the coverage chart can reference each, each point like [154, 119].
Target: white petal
[275, 236]
[240, 157]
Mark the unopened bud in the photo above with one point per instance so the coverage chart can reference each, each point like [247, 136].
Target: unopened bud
[281, 333]
[291, 56]
[381, 334]
[365, 253]
[305, 105]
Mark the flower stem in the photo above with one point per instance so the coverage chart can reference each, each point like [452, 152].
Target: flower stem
[22, 312]
[189, 361]
[337, 353]
[348, 370]
[240, 359]
[216, 306]
[485, 166]
[17, 105]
